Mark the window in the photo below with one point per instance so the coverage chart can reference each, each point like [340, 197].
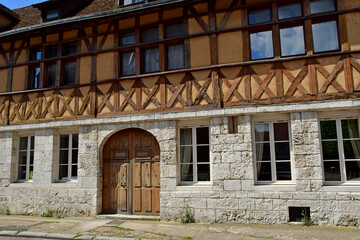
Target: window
[52, 14]
[289, 11]
[272, 152]
[340, 142]
[151, 60]
[194, 155]
[128, 2]
[51, 67]
[175, 51]
[35, 55]
[259, 16]
[128, 58]
[319, 6]
[68, 157]
[261, 45]
[70, 64]
[292, 41]
[325, 36]
[26, 158]
[150, 35]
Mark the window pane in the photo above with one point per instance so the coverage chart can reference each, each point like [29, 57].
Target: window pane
[22, 158]
[263, 152]
[262, 132]
[127, 2]
[32, 142]
[176, 57]
[332, 171]
[150, 35]
[31, 157]
[22, 173]
[74, 172]
[173, 31]
[202, 135]
[75, 141]
[52, 52]
[185, 136]
[283, 171]
[71, 49]
[52, 14]
[151, 57]
[64, 156]
[318, 6]
[330, 150]
[64, 141]
[292, 41]
[203, 172]
[128, 39]
[350, 128]
[186, 154]
[263, 171]
[51, 78]
[328, 129]
[290, 11]
[63, 172]
[186, 172]
[261, 45]
[23, 143]
[352, 149]
[325, 36]
[70, 72]
[281, 131]
[128, 63]
[74, 156]
[353, 170]
[31, 173]
[35, 54]
[35, 78]
[259, 16]
[282, 151]
[203, 154]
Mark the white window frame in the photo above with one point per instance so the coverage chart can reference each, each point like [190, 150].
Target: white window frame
[69, 163]
[28, 152]
[194, 126]
[271, 121]
[337, 117]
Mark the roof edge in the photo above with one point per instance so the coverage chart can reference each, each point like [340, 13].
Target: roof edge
[123, 10]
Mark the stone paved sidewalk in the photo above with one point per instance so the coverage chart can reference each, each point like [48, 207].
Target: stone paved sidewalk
[107, 229]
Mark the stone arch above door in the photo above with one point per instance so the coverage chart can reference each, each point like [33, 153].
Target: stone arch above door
[131, 173]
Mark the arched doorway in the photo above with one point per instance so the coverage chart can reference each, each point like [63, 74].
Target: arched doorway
[131, 171]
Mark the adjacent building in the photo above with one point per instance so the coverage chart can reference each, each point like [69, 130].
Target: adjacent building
[238, 111]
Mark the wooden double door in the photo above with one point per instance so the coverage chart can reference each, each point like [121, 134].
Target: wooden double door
[131, 171]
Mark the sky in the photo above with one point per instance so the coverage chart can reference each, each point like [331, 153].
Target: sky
[11, 4]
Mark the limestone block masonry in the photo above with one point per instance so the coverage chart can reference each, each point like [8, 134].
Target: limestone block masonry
[233, 195]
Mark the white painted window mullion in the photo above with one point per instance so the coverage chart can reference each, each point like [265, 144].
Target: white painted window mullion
[341, 150]
[272, 151]
[194, 155]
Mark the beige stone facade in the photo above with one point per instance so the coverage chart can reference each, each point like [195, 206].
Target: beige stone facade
[233, 194]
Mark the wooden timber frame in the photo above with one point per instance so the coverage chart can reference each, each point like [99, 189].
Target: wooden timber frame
[317, 77]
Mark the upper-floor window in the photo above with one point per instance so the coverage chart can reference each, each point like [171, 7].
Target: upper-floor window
[26, 158]
[291, 35]
[272, 152]
[340, 143]
[175, 50]
[52, 14]
[128, 2]
[69, 65]
[34, 69]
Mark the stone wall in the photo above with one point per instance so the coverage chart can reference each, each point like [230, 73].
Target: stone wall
[233, 195]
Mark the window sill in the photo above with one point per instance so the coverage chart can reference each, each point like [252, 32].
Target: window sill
[342, 188]
[71, 184]
[286, 187]
[195, 187]
[21, 184]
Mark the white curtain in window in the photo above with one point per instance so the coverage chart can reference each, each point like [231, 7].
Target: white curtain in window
[152, 60]
[186, 152]
[259, 147]
[354, 133]
[175, 57]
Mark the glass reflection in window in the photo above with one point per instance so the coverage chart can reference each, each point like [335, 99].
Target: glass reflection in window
[259, 16]
[261, 45]
[292, 41]
[290, 11]
[319, 6]
[325, 36]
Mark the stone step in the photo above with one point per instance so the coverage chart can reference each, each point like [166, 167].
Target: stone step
[128, 217]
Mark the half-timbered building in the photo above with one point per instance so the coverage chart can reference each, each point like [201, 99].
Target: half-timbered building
[241, 111]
